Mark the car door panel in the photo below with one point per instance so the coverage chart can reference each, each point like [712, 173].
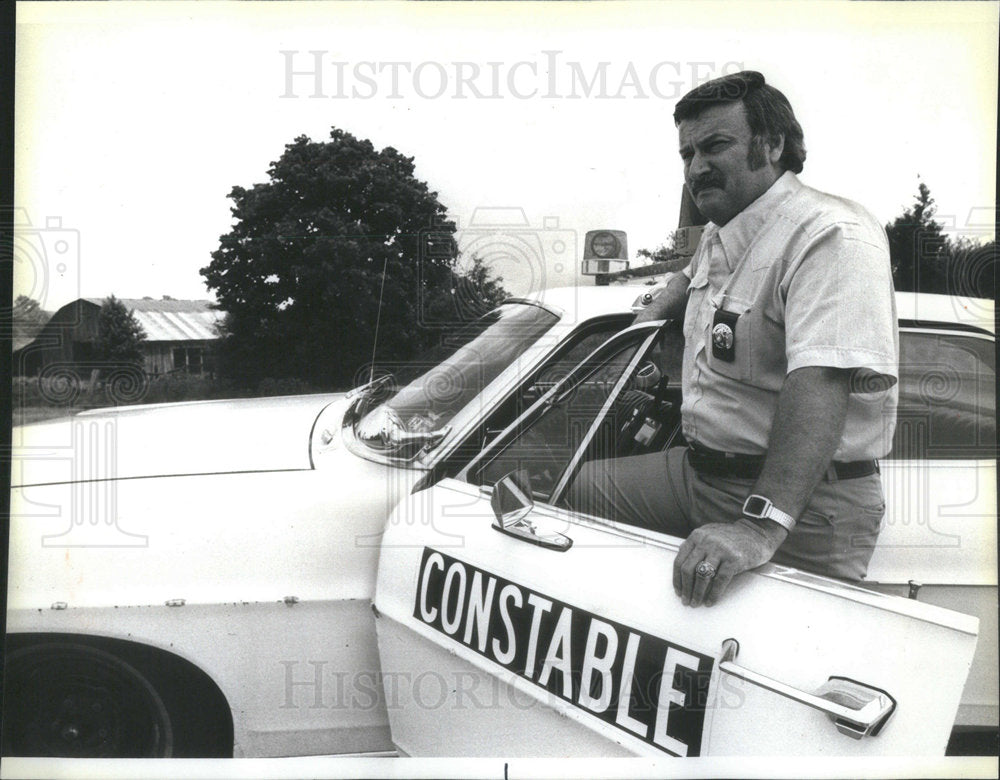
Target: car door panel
[578, 614]
[792, 627]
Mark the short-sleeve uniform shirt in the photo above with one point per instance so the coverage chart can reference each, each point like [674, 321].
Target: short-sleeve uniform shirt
[806, 281]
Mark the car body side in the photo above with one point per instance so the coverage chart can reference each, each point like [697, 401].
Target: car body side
[262, 572]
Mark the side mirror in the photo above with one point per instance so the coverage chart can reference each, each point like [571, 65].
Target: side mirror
[512, 504]
[511, 499]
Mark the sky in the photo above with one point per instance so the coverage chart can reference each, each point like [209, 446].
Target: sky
[134, 120]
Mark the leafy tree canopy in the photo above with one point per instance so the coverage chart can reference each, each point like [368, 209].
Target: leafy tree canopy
[301, 272]
[27, 317]
[926, 259]
[28, 309]
[667, 253]
[119, 334]
[662, 253]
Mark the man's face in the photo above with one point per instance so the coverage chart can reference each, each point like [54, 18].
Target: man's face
[722, 169]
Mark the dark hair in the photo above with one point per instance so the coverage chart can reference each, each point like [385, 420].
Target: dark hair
[769, 113]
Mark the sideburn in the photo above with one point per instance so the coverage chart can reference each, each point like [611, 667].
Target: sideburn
[756, 157]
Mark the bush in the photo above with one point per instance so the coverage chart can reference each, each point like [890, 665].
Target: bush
[284, 386]
[63, 391]
[26, 392]
[73, 394]
[170, 388]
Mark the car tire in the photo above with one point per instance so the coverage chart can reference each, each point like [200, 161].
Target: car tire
[74, 701]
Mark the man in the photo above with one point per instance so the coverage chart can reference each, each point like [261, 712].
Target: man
[790, 361]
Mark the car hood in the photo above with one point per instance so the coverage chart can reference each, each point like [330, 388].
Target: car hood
[201, 437]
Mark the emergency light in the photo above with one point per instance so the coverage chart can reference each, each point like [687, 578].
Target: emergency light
[604, 252]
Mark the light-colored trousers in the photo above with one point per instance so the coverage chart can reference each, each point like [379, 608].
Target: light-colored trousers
[834, 536]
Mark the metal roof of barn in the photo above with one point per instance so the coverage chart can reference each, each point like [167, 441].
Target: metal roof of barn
[172, 320]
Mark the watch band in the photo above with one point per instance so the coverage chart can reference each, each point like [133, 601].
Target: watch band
[758, 507]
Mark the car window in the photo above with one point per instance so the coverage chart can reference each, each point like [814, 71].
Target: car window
[548, 437]
[415, 399]
[947, 396]
[556, 367]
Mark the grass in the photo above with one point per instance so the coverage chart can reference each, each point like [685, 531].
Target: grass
[24, 415]
[37, 400]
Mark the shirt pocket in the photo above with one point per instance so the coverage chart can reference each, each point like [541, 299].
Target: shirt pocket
[741, 366]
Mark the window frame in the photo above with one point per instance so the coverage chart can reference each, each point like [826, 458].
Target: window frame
[650, 332]
[958, 331]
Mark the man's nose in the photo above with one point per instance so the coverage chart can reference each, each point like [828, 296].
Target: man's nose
[697, 165]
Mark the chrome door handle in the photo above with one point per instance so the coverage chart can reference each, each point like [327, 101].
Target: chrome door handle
[529, 532]
[512, 503]
[858, 710]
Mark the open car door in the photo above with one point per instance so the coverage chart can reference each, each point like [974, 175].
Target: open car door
[510, 625]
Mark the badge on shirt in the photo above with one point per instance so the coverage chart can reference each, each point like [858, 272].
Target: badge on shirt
[724, 335]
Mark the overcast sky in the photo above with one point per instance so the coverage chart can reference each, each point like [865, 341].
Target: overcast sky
[134, 120]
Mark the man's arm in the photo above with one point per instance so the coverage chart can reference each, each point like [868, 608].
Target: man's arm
[670, 303]
[808, 424]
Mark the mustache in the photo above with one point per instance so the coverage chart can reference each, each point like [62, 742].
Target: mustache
[711, 179]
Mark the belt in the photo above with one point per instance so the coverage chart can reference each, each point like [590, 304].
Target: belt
[731, 464]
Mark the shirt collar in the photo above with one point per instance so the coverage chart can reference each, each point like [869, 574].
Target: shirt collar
[736, 235]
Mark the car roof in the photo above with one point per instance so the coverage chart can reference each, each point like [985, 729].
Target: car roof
[575, 304]
[947, 309]
[578, 303]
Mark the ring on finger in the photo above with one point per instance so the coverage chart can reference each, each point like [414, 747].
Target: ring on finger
[705, 570]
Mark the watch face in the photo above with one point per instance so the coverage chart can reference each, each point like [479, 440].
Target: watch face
[755, 506]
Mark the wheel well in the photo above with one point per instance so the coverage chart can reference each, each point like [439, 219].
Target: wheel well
[202, 718]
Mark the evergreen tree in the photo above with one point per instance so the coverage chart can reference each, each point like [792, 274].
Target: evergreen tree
[925, 259]
[918, 246]
[119, 334]
[972, 268]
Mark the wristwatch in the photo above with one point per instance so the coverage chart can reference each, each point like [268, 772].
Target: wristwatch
[760, 508]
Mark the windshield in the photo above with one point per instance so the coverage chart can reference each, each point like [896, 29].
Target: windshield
[411, 404]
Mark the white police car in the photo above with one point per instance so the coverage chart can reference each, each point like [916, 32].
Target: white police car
[220, 578]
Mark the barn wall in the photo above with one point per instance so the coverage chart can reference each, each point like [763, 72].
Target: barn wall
[68, 338]
[159, 355]
[74, 323]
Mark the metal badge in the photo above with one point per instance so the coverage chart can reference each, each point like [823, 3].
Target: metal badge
[724, 335]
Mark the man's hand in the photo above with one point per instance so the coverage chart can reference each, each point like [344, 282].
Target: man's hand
[669, 303]
[731, 548]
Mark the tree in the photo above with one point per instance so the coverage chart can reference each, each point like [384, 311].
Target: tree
[662, 253]
[918, 246]
[667, 253]
[27, 317]
[925, 259]
[119, 334]
[972, 268]
[300, 274]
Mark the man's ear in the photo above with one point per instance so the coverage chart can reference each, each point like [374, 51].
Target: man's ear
[776, 148]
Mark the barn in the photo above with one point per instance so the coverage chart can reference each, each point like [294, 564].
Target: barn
[179, 334]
